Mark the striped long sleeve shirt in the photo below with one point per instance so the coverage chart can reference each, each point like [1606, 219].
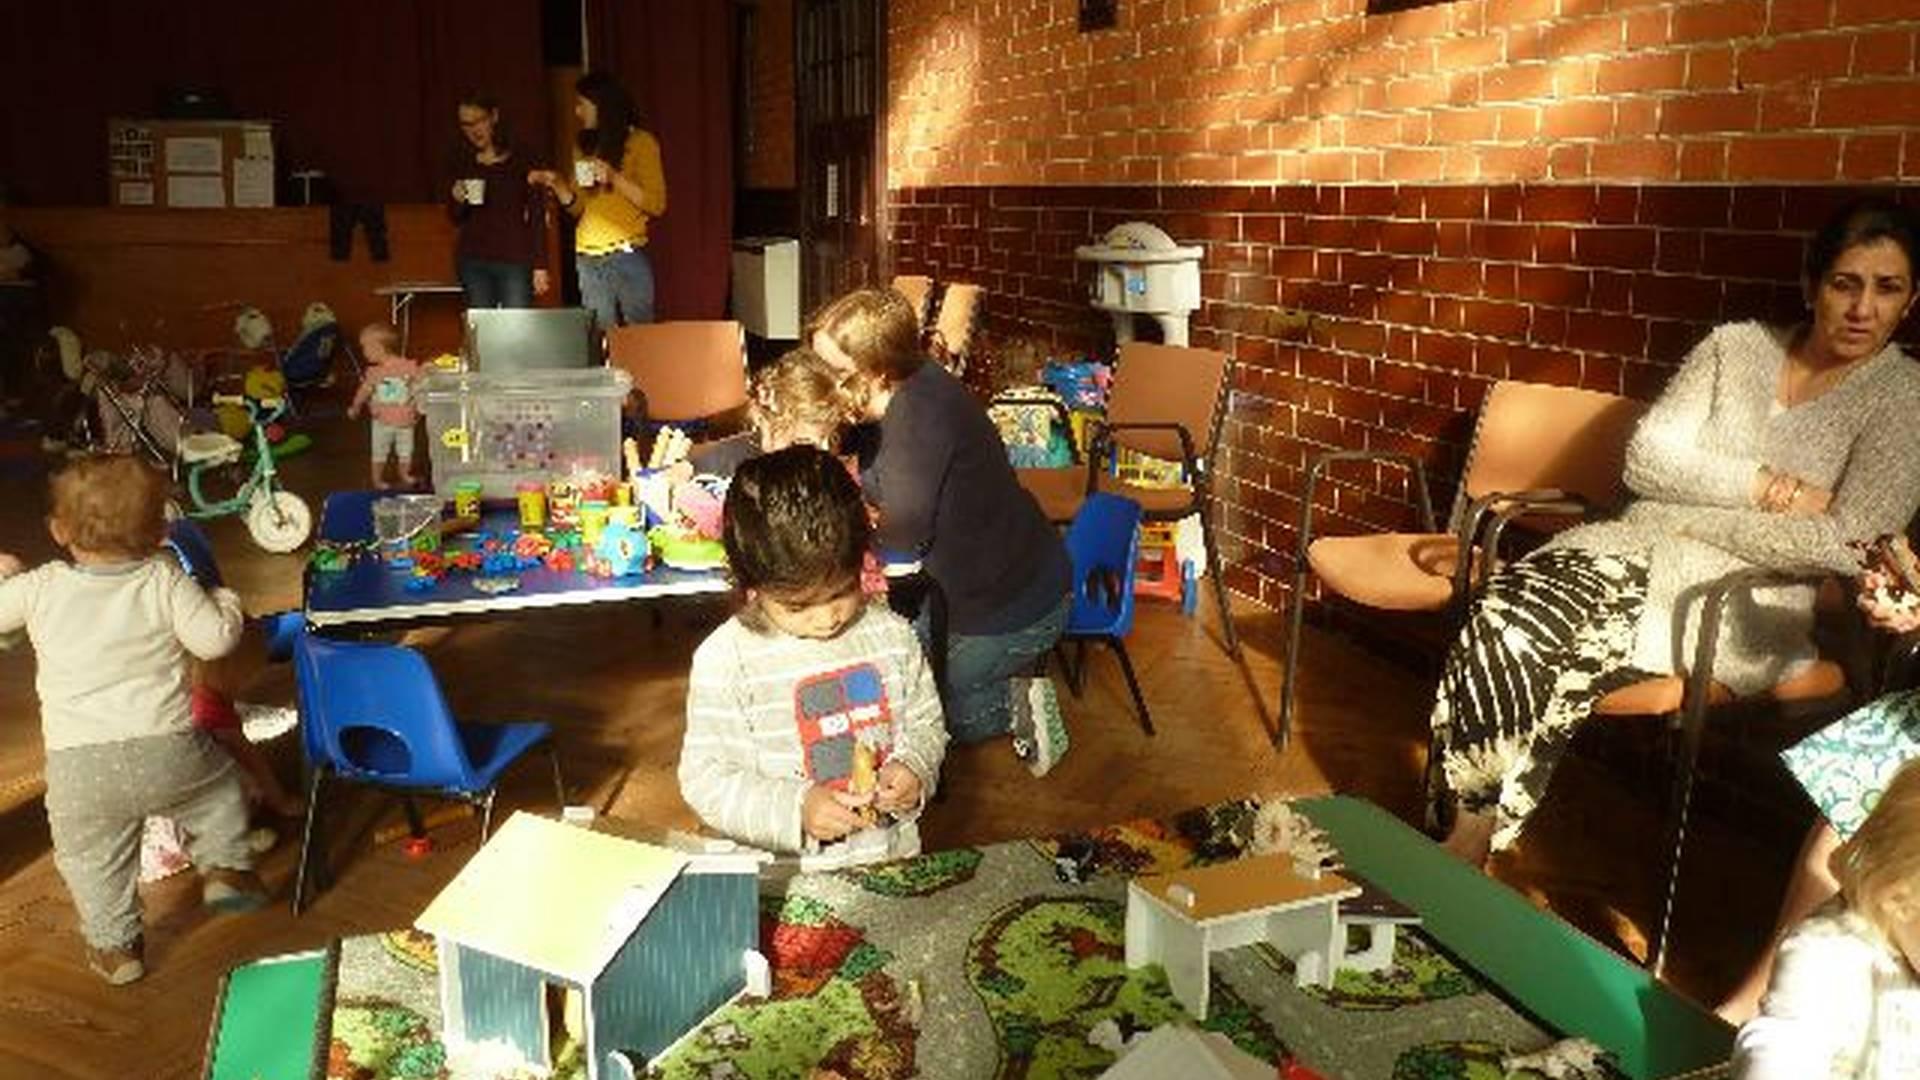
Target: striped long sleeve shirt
[769, 715]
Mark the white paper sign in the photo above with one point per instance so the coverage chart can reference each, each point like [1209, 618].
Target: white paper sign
[257, 142]
[253, 181]
[193, 155]
[196, 191]
[136, 193]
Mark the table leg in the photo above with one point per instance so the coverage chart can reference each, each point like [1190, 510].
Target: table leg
[401, 318]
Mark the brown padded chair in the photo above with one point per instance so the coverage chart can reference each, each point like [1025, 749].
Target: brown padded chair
[952, 338]
[1544, 454]
[1167, 402]
[918, 289]
[686, 371]
[1685, 700]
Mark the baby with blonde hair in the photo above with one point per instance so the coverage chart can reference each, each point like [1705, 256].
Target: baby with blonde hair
[1845, 995]
[113, 630]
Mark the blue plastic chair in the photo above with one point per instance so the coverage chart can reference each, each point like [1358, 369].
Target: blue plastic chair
[347, 516]
[373, 714]
[1103, 542]
[190, 545]
[308, 362]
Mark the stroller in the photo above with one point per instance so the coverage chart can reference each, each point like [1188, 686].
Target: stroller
[138, 403]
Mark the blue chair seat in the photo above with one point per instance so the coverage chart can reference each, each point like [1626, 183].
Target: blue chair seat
[1103, 543]
[492, 747]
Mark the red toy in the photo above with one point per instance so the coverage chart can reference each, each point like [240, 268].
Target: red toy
[560, 561]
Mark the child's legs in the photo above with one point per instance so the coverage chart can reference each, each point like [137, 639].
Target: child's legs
[979, 705]
[386, 442]
[199, 788]
[96, 840]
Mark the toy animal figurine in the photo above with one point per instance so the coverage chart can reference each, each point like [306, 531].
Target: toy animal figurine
[622, 551]
[1568, 1059]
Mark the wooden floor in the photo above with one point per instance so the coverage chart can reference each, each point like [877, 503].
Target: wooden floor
[613, 683]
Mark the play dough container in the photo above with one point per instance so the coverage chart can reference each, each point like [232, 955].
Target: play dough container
[593, 518]
[533, 504]
[466, 499]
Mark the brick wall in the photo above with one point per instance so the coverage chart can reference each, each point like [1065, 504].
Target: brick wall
[770, 101]
[1565, 191]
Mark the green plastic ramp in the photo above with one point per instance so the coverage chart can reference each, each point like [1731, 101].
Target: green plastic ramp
[1568, 980]
[273, 1018]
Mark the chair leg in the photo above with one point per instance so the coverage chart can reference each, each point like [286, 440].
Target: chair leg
[1219, 581]
[1290, 664]
[309, 837]
[486, 814]
[1133, 684]
[416, 825]
[1686, 766]
[1077, 671]
[559, 784]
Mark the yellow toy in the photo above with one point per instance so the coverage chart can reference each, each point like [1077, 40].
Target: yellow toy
[864, 780]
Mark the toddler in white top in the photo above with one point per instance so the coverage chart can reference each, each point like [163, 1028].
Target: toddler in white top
[1845, 997]
[113, 629]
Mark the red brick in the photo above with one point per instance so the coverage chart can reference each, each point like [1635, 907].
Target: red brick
[1787, 107]
[1498, 279]
[1620, 335]
[1438, 350]
[1723, 20]
[1692, 114]
[1368, 338]
[1793, 16]
[1577, 120]
[1512, 242]
[1553, 285]
[1648, 29]
[1600, 373]
[1490, 358]
[1632, 74]
[1627, 249]
[1553, 244]
[1495, 319]
[1883, 52]
[1503, 203]
[1553, 202]
[1752, 255]
[1555, 367]
[1517, 123]
[1292, 262]
[1870, 104]
[1458, 277]
[1784, 158]
[1405, 308]
[1357, 268]
[1635, 116]
[1455, 240]
[1521, 82]
[1567, 161]
[1795, 59]
[1757, 207]
[1681, 252]
[1464, 125]
[1871, 157]
[1863, 12]
[1710, 69]
[1516, 12]
[1449, 313]
[1549, 325]
[1412, 163]
[1670, 296]
[1703, 160]
[1612, 290]
[1641, 159]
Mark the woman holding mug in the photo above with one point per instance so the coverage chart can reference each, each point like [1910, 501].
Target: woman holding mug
[501, 220]
[617, 189]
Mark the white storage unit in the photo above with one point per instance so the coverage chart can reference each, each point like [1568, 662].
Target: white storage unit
[766, 286]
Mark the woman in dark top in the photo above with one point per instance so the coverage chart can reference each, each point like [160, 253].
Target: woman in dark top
[944, 489]
[500, 216]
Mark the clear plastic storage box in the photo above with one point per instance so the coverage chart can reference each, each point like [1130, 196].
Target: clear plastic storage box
[532, 425]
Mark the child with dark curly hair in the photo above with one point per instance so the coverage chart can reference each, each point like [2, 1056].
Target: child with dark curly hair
[813, 725]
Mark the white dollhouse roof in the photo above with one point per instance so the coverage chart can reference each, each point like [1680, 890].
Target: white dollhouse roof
[557, 898]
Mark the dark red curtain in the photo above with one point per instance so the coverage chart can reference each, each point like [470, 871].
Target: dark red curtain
[361, 89]
[676, 58]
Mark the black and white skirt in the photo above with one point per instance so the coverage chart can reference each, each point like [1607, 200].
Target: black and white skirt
[1549, 636]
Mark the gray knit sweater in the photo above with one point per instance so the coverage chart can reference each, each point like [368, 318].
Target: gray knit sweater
[1691, 465]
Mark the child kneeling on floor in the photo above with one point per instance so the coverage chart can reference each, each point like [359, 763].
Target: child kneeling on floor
[1845, 996]
[113, 630]
[813, 724]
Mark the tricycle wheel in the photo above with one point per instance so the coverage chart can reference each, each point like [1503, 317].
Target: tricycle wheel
[280, 523]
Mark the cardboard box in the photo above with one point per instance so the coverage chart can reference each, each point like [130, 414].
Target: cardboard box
[190, 164]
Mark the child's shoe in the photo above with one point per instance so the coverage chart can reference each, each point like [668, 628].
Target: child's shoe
[233, 890]
[262, 839]
[1039, 729]
[118, 966]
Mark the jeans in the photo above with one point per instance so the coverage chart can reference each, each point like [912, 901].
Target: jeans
[617, 287]
[490, 283]
[979, 702]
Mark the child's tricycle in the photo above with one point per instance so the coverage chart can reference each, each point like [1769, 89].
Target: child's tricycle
[278, 520]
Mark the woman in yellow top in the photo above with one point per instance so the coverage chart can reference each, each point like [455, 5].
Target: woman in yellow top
[618, 187]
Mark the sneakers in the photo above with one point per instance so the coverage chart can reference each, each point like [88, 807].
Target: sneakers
[118, 966]
[1039, 728]
[233, 891]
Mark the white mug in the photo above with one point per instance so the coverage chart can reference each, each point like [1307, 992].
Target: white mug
[584, 173]
[473, 192]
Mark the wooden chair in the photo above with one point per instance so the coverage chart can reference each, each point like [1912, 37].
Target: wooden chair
[918, 289]
[1538, 452]
[1167, 402]
[686, 371]
[952, 339]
